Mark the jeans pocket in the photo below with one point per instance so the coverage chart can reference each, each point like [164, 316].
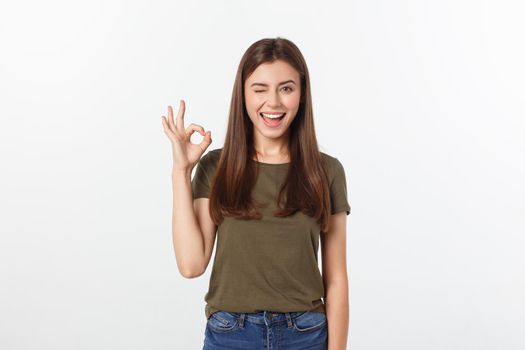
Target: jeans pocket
[222, 321]
[309, 321]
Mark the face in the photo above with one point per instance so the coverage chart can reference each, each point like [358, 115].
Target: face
[273, 89]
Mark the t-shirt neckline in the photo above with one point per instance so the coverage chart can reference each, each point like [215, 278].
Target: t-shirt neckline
[270, 164]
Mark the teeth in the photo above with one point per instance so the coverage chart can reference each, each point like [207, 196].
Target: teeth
[273, 116]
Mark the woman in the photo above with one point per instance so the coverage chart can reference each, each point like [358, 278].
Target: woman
[270, 195]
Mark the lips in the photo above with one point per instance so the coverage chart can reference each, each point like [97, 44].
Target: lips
[272, 122]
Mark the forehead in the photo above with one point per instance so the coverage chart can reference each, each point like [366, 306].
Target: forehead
[273, 73]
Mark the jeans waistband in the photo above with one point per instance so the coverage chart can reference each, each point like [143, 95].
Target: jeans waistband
[266, 317]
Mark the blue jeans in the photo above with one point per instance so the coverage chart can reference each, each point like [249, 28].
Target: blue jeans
[266, 330]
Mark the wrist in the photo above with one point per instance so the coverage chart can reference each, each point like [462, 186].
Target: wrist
[183, 172]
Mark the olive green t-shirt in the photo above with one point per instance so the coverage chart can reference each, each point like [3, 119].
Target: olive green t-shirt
[269, 264]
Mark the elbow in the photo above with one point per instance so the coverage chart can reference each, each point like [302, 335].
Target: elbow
[191, 273]
[189, 268]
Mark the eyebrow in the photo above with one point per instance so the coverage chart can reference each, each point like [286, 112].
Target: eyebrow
[281, 83]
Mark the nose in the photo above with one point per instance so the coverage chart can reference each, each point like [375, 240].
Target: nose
[274, 100]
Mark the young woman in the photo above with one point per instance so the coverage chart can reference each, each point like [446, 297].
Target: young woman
[270, 195]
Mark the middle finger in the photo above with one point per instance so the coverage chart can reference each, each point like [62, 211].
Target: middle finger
[180, 116]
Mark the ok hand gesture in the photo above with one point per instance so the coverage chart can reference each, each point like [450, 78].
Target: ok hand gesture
[185, 154]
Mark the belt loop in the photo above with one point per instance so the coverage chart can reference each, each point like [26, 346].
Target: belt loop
[241, 320]
[288, 319]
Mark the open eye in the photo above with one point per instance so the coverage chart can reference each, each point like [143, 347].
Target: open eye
[289, 88]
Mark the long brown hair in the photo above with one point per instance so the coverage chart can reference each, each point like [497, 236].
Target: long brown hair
[306, 185]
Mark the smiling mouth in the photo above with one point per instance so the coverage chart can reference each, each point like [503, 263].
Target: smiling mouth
[267, 116]
[272, 122]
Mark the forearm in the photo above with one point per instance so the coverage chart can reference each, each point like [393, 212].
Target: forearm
[188, 241]
[337, 313]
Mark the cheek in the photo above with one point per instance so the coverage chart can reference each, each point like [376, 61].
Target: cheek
[252, 101]
[292, 101]
[252, 106]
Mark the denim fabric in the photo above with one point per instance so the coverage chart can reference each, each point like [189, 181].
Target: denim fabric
[266, 330]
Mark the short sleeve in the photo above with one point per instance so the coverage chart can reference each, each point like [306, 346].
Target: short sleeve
[338, 190]
[200, 184]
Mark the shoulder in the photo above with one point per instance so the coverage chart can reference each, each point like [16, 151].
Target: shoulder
[210, 159]
[334, 166]
[214, 154]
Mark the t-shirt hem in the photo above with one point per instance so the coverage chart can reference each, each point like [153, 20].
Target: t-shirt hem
[209, 310]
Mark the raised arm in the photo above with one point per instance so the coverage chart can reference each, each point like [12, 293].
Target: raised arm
[188, 239]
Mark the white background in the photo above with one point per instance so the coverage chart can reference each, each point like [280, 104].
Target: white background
[422, 101]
